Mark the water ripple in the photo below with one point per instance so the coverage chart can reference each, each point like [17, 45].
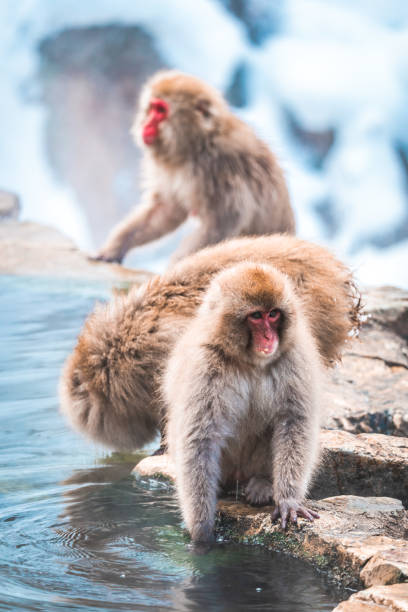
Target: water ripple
[78, 531]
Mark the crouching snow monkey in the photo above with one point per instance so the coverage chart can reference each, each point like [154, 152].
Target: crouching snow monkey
[242, 388]
[200, 160]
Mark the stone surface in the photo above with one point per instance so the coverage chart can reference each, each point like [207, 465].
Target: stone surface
[359, 606]
[351, 530]
[363, 464]
[155, 465]
[9, 205]
[368, 392]
[90, 79]
[360, 540]
[32, 249]
[379, 598]
[387, 567]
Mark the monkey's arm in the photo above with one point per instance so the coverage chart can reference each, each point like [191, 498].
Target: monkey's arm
[198, 438]
[295, 452]
[147, 223]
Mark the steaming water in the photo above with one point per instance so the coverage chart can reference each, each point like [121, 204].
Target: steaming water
[78, 532]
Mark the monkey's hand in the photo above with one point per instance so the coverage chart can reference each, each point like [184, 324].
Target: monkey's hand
[291, 509]
[107, 255]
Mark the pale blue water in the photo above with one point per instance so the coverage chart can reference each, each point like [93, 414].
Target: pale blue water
[77, 532]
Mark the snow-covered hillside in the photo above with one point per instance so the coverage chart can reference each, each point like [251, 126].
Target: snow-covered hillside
[326, 84]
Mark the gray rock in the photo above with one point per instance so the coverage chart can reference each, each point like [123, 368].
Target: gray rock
[386, 567]
[9, 206]
[367, 524]
[350, 531]
[363, 464]
[377, 599]
[368, 392]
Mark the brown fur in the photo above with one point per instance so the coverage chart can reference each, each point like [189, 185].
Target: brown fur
[110, 389]
[207, 163]
[238, 414]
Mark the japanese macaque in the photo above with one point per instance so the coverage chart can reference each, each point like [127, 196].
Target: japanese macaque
[112, 382]
[202, 161]
[242, 388]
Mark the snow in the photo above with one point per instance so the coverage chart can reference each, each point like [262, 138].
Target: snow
[339, 65]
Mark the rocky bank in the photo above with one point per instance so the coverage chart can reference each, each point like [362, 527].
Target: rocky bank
[361, 490]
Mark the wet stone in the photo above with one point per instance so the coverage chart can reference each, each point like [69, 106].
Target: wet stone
[351, 530]
[379, 598]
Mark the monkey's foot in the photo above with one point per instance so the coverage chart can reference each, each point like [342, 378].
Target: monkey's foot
[290, 509]
[202, 532]
[259, 491]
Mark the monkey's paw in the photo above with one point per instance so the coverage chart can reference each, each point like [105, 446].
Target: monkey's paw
[259, 491]
[291, 509]
[108, 257]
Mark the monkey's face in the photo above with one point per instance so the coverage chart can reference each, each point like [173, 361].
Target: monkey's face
[253, 312]
[264, 327]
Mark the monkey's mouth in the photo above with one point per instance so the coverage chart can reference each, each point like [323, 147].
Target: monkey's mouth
[149, 135]
[267, 347]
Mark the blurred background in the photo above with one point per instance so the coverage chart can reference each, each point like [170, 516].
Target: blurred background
[324, 82]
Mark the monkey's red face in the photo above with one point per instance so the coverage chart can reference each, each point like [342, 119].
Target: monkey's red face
[264, 330]
[158, 112]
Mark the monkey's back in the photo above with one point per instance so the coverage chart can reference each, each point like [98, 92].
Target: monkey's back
[243, 180]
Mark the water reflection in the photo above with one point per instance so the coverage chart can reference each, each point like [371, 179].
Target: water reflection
[132, 527]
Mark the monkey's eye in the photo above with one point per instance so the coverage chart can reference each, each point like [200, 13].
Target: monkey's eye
[160, 107]
[255, 315]
[275, 313]
[203, 109]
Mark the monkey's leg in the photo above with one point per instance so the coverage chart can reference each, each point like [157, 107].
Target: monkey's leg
[295, 444]
[198, 430]
[147, 223]
[259, 490]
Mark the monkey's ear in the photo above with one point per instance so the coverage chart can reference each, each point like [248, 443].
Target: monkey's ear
[212, 298]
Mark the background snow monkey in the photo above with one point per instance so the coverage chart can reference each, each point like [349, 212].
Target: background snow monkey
[200, 160]
[111, 388]
[242, 388]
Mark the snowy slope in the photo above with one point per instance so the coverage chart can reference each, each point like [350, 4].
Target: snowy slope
[335, 70]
